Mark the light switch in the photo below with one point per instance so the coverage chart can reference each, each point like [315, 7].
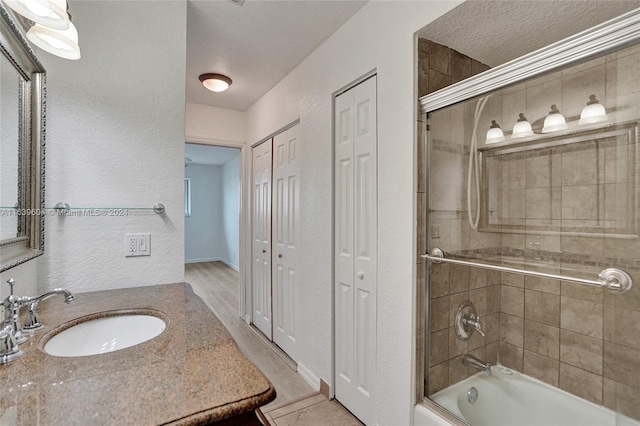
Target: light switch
[137, 245]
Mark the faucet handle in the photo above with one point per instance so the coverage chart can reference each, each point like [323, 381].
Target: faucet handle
[478, 325]
[9, 349]
[11, 283]
[32, 322]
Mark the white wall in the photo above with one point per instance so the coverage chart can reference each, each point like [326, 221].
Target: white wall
[211, 124]
[231, 211]
[115, 137]
[203, 230]
[379, 36]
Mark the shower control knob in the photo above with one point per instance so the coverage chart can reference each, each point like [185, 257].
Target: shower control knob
[360, 275]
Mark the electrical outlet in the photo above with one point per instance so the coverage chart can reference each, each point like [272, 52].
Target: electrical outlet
[137, 245]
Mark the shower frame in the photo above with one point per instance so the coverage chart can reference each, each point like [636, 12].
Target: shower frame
[612, 35]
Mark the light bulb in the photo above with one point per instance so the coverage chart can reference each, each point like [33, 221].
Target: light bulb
[594, 112]
[495, 133]
[554, 121]
[62, 43]
[50, 13]
[522, 127]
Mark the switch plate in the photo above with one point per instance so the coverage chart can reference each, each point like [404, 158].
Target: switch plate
[137, 244]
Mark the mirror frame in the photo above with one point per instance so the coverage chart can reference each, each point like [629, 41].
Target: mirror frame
[29, 241]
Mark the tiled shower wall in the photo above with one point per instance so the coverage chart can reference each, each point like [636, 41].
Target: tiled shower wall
[581, 339]
[438, 67]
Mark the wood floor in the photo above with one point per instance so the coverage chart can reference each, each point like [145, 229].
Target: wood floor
[296, 402]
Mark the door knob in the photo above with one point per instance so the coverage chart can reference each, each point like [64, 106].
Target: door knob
[279, 256]
[264, 250]
[360, 275]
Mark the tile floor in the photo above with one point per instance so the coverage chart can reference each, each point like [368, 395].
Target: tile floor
[296, 402]
[310, 411]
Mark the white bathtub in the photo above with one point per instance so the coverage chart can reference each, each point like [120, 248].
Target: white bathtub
[508, 398]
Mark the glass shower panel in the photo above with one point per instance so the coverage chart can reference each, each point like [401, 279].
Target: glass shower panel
[562, 199]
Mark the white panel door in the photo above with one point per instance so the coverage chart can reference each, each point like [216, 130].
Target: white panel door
[285, 238]
[343, 240]
[356, 248]
[261, 228]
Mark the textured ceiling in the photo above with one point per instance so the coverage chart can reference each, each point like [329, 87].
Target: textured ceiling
[494, 32]
[256, 44]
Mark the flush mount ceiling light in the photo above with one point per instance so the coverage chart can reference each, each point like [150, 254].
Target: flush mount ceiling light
[495, 133]
[215, 82]
[62, 43]
[554, 121]
[594, 112]
[51, 13]
[522, 127]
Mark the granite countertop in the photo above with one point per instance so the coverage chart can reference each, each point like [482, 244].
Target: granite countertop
[193, 373]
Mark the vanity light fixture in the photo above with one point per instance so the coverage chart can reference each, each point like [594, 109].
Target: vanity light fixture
[594, 112]
[495, 133]
[215, 82]
[62, 43]
[50, 13]
[522, 127]
[554, 121]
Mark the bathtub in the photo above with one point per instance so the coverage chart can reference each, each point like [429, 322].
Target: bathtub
[510, 398]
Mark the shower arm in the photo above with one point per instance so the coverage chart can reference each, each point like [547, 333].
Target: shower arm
[610, 278]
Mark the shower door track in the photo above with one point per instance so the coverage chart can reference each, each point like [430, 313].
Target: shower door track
[611, 278]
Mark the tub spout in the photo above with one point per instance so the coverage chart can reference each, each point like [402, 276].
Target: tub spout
[476, 363]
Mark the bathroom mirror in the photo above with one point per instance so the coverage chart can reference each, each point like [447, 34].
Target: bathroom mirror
[22, 85]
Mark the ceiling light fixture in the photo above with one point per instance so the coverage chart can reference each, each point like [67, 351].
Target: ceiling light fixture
[215, 82]
[51, 13]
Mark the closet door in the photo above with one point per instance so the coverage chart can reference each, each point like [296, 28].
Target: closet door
[285, 238]
[356, 248]
[261, 228]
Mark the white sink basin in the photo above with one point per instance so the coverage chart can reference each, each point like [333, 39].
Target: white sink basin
[103, 335]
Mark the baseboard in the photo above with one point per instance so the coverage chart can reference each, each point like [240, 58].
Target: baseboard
[311, 379]
[325, 389]
[209, 259]
[230, 265]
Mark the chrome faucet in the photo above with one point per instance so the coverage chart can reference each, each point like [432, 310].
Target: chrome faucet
[11, 334]
[476, 363]
[467, 321]
[32, 322]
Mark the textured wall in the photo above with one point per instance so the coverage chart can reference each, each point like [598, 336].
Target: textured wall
[379, 36]
[231, 211]
[115, 137]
